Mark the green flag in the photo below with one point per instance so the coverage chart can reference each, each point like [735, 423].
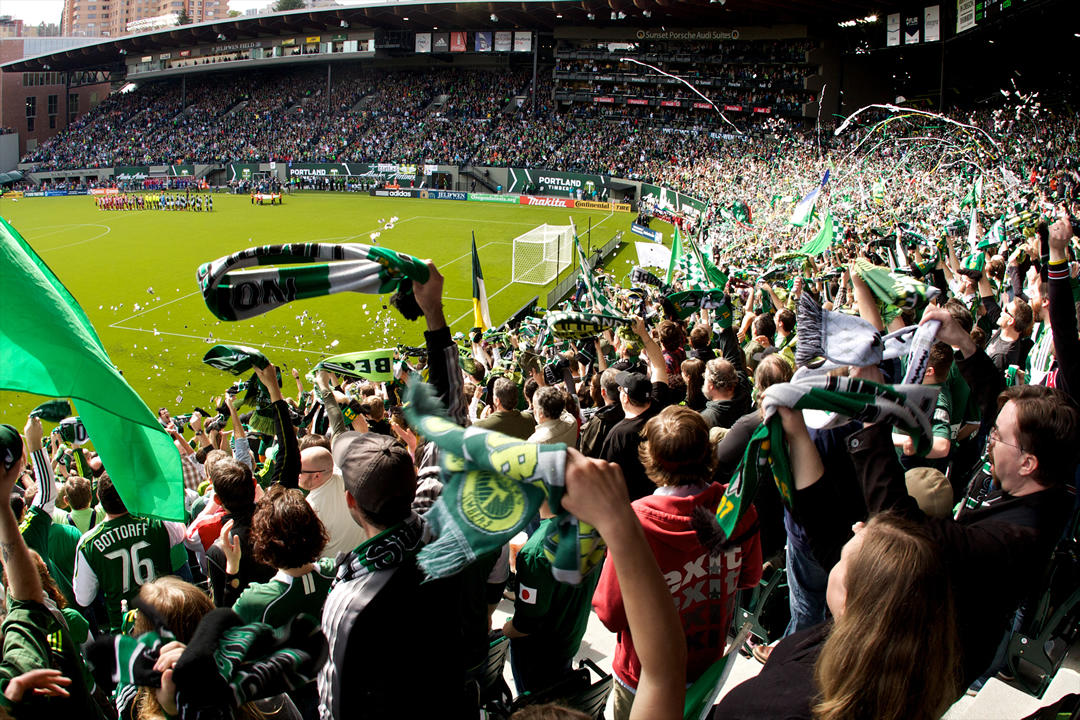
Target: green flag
[676, 251]
[50, 348]
[599, 301]
[823, 240]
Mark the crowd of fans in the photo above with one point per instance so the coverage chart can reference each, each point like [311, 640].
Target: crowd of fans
[681, 419]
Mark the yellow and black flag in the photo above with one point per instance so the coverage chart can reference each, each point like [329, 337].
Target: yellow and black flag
[481, 314]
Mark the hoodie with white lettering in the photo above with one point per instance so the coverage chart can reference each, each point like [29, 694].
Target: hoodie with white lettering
[704, 587]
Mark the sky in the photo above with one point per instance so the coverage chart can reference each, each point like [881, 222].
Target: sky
[33, 12]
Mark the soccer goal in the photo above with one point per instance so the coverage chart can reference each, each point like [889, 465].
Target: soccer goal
[542, 253]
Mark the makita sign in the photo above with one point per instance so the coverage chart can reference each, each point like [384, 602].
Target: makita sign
[547, 201]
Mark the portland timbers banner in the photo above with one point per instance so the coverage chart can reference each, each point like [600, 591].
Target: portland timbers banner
[553, 182]
[383, 172]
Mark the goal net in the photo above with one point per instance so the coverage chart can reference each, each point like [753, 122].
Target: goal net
[542, 253]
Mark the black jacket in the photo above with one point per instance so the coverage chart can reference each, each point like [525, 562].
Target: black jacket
[784, 688]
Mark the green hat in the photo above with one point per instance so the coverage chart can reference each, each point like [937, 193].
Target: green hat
[975, 262]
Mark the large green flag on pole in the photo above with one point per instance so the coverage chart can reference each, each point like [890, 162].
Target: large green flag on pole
[48, 347]
[823, 240]
[676, 251]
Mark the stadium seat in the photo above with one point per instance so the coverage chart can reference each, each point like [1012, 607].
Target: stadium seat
[703, 694]
[495, 695]
[1052, 623]
[754, 609]
[575, 691]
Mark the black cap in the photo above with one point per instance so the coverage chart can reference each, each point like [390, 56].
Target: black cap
[637, 386]
[11, 446]
[378, 473]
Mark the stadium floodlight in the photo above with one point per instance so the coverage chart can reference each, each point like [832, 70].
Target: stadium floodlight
[541, 254]
[613, 15]
[344, 24]
[221, 37]
[591, 16]
[647, 13]
[494, 17]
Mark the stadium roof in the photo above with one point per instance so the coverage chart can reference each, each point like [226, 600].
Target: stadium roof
[424, 15]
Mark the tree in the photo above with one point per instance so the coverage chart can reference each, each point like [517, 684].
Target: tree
[283, 5]
[235, 13]
[183, 18]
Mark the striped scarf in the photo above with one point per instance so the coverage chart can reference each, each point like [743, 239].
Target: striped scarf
[567, 325]
[493, 485]
[908, 408]
[324, 269]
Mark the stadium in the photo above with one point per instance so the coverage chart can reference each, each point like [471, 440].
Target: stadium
[700, 241]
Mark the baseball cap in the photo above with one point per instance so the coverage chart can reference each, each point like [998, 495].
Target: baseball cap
[378, 473]
[637, 386]
[11, 446]
[931, 491]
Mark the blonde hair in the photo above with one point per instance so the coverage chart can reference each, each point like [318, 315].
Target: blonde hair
[893, 653]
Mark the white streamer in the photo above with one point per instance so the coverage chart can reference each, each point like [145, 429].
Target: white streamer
[684, 82]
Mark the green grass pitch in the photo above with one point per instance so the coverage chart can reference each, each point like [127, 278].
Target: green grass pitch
[133, 272]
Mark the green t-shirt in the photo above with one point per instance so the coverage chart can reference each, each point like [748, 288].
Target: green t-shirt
[121, 555]
[63, 542]
[284, 597]
[548, 610]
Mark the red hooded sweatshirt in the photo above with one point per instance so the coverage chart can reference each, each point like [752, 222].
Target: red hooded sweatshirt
[703, 587]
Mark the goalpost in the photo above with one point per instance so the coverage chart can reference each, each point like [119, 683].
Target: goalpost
[542, 253]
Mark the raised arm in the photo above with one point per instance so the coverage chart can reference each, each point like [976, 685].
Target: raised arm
[444, 364]
[287, 464]
[596, 494]
[652, 351]
[24, 583]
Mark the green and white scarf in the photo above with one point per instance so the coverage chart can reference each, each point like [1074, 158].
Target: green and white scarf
[374, 365]
[894, 291]
[52, 411]
[908, 408]
[324, 269]
[493, 485]
[687, 303]
[566, 325]
[235, 359]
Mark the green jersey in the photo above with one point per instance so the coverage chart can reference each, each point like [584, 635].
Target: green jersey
[284, 597]
[553, 614]
[121, 555]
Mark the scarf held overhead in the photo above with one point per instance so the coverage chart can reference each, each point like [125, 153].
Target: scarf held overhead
[493, 485]
[907, 407]
[323, 269]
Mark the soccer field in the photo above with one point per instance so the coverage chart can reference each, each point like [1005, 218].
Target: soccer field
[133, 272]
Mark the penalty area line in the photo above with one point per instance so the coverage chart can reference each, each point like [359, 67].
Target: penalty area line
[222, 340]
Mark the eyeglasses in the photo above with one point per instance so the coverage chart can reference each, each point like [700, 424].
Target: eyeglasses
[995, 437]
[312, 472]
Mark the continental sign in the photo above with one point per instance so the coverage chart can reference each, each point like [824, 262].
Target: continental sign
[609, 206]
[547, 201]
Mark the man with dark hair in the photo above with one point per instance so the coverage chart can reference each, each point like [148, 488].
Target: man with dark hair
[506, 418]
[762, 332]
[728, 399]
[121, 554]
[378, 617]
[999, 543]
[1010, 344]
[699, 344]
[553, 424]
[599, 425]
[641, 400]
[234, 488]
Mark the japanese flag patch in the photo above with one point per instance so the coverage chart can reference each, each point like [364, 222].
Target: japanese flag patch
[526, 594]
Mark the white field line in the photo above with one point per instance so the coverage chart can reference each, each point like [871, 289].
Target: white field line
[216, 340]
[152, 308]
[504, 287]
[80, 242]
